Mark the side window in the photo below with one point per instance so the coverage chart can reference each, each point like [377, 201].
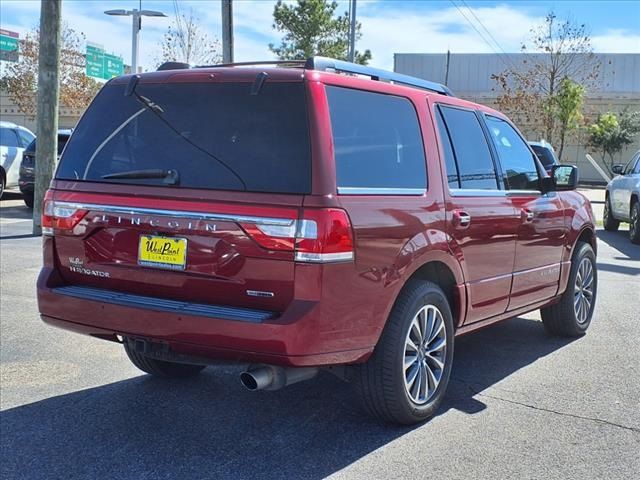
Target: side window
[377, 141]
[25, 137]
[630, 169]
[472, 154]
[8, 138]
[450, 160]
[518, 165]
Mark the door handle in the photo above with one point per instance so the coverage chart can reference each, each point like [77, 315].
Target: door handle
[461, 219]
[527, 215]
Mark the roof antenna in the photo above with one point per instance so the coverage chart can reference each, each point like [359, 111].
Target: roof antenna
[258, 82]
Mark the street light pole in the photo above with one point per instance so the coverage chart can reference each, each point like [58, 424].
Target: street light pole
[352, 32]
[135, 37]
[136, 25]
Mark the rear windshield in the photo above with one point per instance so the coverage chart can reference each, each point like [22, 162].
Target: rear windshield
[62, 140]
[216, 136]
[544, 155]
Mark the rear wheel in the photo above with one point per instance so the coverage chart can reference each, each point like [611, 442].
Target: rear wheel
[610, 223]
[571, 316]
[406, 378]
[160, 368]
[634, 223]
[1, 183]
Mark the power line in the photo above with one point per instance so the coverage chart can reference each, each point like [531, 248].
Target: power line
[500, 56]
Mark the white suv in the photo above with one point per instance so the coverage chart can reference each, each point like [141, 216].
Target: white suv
[622, 203]
[13, 140]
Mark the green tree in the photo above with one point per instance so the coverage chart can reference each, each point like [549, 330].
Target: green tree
[611, 133]
[567, 107]
[311, 28]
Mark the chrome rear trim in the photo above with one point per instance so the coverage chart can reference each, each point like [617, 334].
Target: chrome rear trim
[221, 217]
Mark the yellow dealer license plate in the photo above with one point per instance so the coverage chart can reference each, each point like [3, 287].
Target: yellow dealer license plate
[162, 252]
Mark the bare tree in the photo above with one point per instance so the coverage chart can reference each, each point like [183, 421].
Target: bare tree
[187, 41]
[528, 91]
[76, 89]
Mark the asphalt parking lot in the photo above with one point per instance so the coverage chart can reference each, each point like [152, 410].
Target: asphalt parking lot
[520, 405]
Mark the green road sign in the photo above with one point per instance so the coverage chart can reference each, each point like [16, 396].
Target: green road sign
[9, 45]
[95, 61]
[113, 66]
[102, 65]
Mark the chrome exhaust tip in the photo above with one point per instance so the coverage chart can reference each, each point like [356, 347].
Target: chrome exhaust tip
[271, 377]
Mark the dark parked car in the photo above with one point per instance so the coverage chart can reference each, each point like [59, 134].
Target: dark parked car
[27, 167]
[545, 153]
[299, 218]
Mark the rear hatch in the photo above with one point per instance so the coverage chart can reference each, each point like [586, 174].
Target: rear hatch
[187, 191]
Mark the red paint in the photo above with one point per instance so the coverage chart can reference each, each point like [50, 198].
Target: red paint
[503, 264]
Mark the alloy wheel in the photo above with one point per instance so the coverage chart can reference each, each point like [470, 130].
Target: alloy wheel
[633, 225]
[424, 355]
[583, 290]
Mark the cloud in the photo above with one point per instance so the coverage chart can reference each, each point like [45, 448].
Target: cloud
[617, 41]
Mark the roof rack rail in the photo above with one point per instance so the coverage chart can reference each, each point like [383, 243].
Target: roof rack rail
[330, 64]
[297, 63]
[324, 64]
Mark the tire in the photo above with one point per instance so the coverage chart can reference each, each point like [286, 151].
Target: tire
[565, 318]
[28, 200]
[381, 382]
[160, 368]
[609, 222]
[2, 184]
[634, 223]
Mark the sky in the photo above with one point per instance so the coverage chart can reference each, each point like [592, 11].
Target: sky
[388, 26]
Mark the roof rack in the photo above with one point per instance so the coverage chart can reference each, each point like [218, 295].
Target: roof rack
[324, 64]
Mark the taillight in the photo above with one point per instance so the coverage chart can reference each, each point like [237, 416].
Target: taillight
[319, 236]
[59, 217]
[324, 235]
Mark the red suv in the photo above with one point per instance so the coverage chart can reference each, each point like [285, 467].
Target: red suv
[308, 216]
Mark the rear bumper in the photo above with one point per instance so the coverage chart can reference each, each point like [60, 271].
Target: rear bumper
[301, 336]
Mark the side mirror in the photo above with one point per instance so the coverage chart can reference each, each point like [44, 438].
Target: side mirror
[565, 177]
[617, 169]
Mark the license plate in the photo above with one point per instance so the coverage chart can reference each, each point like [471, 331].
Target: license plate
[162, 252]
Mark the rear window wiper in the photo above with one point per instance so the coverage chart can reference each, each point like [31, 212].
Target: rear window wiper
[170, 177]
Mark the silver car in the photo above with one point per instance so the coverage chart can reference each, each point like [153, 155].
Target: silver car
[622, 203]
[13, 140]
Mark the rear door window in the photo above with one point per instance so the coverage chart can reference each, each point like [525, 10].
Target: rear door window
[472, 154]
[518, 163]
[453, 178]
[216, 135]
[377, 142]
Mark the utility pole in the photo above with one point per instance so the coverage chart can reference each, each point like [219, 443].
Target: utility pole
[227, 31]
[352, 32]
[135, 39]
[48, 97]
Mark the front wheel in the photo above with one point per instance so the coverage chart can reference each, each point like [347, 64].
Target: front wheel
[571, 316]
[634, 224]
[28, 200]
[160, 368]
[609, 222]
[406, 378]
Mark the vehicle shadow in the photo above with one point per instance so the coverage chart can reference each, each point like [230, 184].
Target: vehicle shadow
[620, 241]
[211, 428]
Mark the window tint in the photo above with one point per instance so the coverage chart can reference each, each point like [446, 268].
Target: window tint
[8, 138]
[25, 137]
[471, 150]
[545, 156]
[452, 169]
[518, 164]
[377, 140]
[216, 135]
